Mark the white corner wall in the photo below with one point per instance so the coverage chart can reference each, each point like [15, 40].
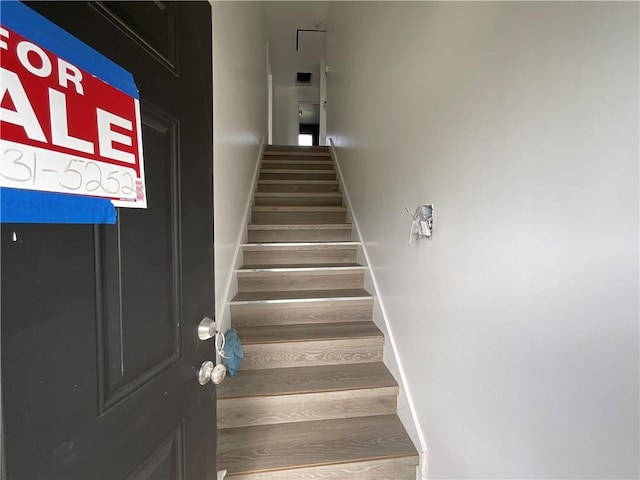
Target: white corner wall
[240, 128]
[517, 325]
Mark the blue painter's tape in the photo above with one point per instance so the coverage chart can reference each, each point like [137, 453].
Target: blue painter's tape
[33, 26]
[30, 206]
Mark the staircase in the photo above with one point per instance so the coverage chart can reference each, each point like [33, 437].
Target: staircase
[313, 399]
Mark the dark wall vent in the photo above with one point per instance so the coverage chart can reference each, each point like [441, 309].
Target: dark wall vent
[303, 78]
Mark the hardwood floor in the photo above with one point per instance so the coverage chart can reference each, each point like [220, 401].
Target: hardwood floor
[313, 399]
[302, 277]
[279, 447]
[316, 254]
[297, 380]
[300, 296]
[336, 310]
[302, 333]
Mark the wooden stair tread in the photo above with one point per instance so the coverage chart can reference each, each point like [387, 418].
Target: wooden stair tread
[296, 182]
[301, 266]
[277, 149]
[311, 156]
[299, 380]
[294, 313]
[300, 161]
[297, 208]
[316, 152]
[296, 148]
[303, 295]
[299, 194]
[273, 334]
[299, 226]
[293, 170]
[287, 152]
[321, 442]
[299, 246]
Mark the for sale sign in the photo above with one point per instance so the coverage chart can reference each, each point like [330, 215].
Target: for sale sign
[63, 127]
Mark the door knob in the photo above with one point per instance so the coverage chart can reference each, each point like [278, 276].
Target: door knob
[210, 372]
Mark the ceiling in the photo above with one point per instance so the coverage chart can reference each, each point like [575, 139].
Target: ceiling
[283, 19]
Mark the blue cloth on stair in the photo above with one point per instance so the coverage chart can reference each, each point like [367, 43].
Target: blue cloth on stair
[233, 353]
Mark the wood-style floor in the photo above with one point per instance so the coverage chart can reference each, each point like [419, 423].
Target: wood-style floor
[324, 442]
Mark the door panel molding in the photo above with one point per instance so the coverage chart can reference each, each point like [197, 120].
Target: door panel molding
[120, 333]
[163, 50]
[171, 449]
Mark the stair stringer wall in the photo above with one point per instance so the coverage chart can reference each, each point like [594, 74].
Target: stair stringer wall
[223, 310]
[406, 409]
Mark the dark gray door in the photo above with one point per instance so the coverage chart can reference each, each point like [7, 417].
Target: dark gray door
[99, 346]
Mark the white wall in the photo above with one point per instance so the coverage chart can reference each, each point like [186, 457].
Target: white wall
[240, 126]
[517, 325]
[323, 103]
[270, 109]
[269, 99]
[285, 111]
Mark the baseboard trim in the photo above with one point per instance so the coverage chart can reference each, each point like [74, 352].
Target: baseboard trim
[422, 447]
[223, 312]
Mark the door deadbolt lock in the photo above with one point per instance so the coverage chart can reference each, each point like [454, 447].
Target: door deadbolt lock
[207, 328]
[209, 372]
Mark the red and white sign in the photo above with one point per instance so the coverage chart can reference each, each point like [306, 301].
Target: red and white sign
[64, 130]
